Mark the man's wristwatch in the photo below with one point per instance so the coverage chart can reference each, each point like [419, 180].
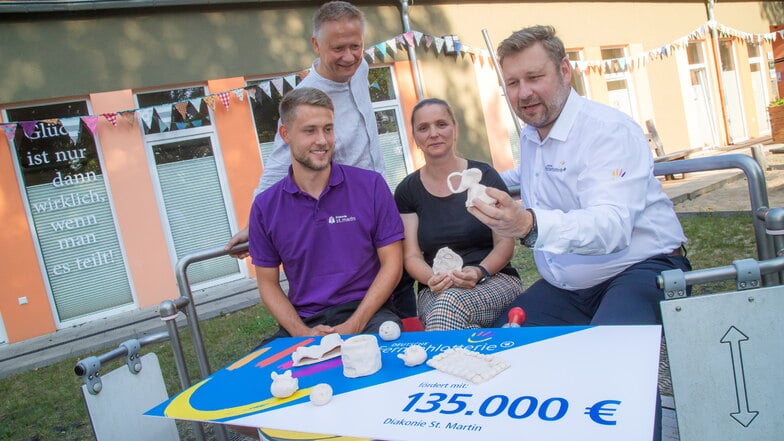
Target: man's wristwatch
[530, 239]
[485, 274]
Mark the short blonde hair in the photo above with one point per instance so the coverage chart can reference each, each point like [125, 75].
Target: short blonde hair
[299, 97]
[336, 11]
[527, 37]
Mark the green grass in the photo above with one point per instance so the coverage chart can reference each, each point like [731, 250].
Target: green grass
[46, 403]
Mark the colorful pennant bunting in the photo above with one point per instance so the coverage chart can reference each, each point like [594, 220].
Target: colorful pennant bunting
[379, 52]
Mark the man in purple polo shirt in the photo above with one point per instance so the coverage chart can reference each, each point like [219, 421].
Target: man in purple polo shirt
[335, 229]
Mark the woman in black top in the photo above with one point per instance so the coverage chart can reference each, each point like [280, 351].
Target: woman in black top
[434, 217]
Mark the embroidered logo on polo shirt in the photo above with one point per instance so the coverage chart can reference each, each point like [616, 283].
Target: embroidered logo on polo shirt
[560, 168]
[618, 173]
[341, 219]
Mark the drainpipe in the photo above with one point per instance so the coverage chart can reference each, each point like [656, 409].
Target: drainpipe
[717, 66]
[411, 50]
[501, 83]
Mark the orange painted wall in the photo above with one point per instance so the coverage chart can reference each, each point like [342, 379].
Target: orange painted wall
[239, 147]
[20, 270]
[133, 194]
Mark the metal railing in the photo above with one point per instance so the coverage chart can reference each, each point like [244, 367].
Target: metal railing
[758, 194]
[187, 304]
[89, 368]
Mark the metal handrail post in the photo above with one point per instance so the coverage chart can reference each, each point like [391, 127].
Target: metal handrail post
[186, 299]
[758, 193]
[774, 226]
[168, 311]
[184, 286]
[501, 82]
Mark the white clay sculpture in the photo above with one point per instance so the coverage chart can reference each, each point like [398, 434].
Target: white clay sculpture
[414, 355]
[361, 356]
[447, 261]
[468, 365]
[283, 385]
[329, 347]
[469, 180]
[389, 331]
[321, 394]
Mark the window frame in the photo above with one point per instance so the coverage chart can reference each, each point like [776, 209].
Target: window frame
[622, 76]
[398, 108]
[183, 134]
[580, 78]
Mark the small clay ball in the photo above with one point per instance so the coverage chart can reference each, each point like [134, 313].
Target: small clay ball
[321, 394]
[389, 331]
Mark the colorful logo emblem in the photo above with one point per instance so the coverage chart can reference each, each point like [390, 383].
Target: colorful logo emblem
[618, 173]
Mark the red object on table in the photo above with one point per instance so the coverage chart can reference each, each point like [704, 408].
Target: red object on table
[516, 316]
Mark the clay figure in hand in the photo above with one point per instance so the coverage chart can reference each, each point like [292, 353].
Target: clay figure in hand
[447, 261]
[469, 180]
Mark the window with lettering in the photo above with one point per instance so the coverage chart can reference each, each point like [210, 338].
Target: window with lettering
[70, 209]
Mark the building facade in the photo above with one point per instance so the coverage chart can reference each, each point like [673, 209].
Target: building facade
[136, 132]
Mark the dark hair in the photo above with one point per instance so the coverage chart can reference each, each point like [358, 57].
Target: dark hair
[336, 11]
[527, 37]
[434, 101]
[302, 96]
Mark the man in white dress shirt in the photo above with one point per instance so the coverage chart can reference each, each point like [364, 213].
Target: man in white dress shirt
[596, 217]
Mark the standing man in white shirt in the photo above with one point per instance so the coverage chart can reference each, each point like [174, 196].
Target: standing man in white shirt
[596, 217]
[342, 73]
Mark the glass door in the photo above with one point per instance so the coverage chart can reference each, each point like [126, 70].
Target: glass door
[698, 106]
[759, 83]
[733, 100]
[619, 89]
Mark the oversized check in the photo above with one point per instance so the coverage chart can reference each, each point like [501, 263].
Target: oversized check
[587, 383]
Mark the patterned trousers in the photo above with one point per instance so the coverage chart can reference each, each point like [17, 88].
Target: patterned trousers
[460, 308]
